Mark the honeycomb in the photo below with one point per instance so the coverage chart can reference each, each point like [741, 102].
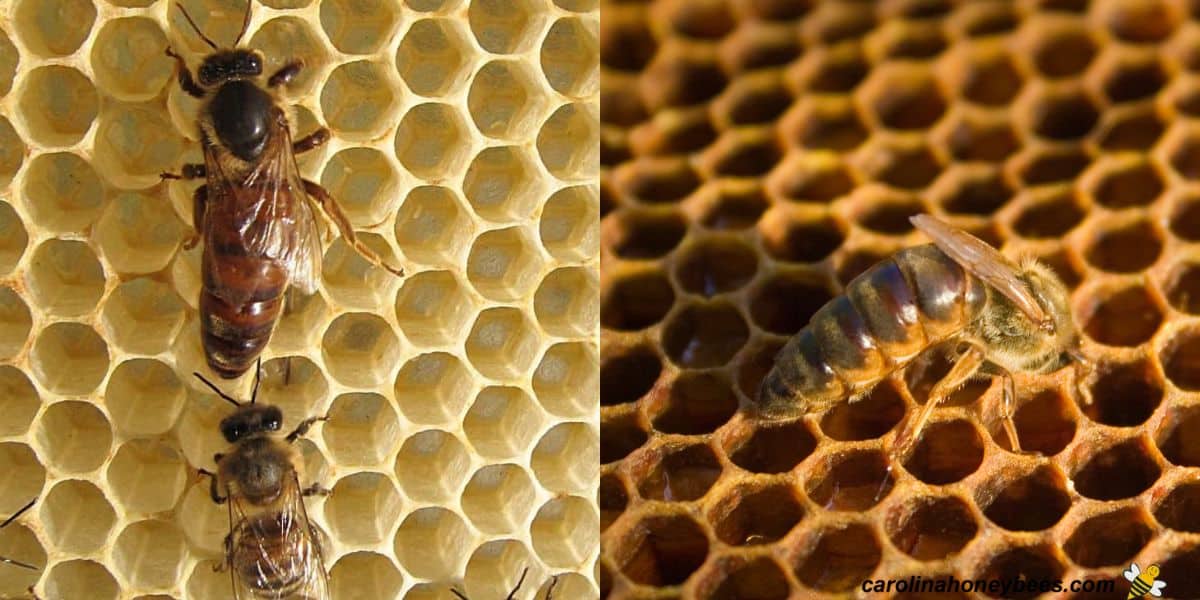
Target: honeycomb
[756, 155]
[462, 444]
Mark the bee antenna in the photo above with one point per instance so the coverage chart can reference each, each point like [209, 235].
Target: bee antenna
[459, 594]
[245, 24]
[513, 593]
[550, 589]
[195, 27]
[18, 513]
[257, 381]
[216, 389]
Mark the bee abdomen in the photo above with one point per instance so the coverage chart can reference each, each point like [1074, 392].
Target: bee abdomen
[271, 559]
[234, 336]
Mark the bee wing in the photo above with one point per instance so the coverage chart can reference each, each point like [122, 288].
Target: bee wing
[1157, 588]
[983, 261]
[1133, 572]
[285, 556]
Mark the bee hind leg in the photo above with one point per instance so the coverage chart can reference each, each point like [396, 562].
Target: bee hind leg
[303, 428]
[331, 208]
[968, 363]
[1008, 407]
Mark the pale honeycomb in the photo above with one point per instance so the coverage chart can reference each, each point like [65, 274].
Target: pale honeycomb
[758, 154]
[463, 433]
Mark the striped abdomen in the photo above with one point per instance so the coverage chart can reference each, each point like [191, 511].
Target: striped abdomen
[888, 315]
[272, 554]
[239, 305]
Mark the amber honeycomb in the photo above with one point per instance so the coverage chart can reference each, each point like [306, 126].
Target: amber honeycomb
[756, 155]
[461, 445]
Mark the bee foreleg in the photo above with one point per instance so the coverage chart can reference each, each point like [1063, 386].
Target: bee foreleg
[968, 363]
[189, 171]
[214, 490]
[331, 208]
[285, 74]
[315, 489]
[185, 76]
[303, 428]
[315, 139]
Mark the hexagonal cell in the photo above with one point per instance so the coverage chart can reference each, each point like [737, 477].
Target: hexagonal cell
[973, 191]
[931, 527]
[613, 499]
[296, 385]
[903, 98]
[21, 401]
[24, 476]
[566, 381]
[678, 474]
[375, 96]
[716, 266]
[908, 164]
[1032, 501]
[1110, 539]
[1180, 509]
[1038, 167]
[628, 374]
[138, 234]
[64, 278]
[286, 38]
[8, 63]
[74, 436]
[503, 100]
[1130, 80]
[1045, 424]
[643, 234]
[1023, 563]
[793, 240]
[1050, 215]
[432, 466]
[811, 178]
[151, 554]
[1136, 129]
[77, 516]
[1125, 248]
[433, 56]
[147, 476]
[504, 264]
[841, 557]
[79, 578]
[128, 58]
[1183, 152]
[890, 215]
[433, 307]
[432, 141]
[1176, 435]
[1127, 184]
[432, 388]
[503, 343]
[1183, 287]
[854, 481]
[503, 27]
[1180, 358]
[442, 560]
[570, 57]
[359, 27]
[1064, 49]
[635, 298]
[1124, 317]
[568, 142]
[360, 349]
[54, 28]
[752, 578]
[753, 515]
[358, 495]
[58, 105]
[785, 302]
[362, 429]
[868, 418]
[15, 322]
[662, 550]
[568, 224]
[1125, 395]
[354, 282]
[704, 335]
[696, 403]
[1121, 471]
[69, 358]
[1140, 22]
[771, 447]
[12, 151]
[565, 458]
[566, 303]
[364, 183]
[978, 139]
[502, 422]
[1062, 115]
[825, 124]
[62, 193]
[432, 226]
[500, 184]
[142, 316]
[561, 531]
[498, 498]
[365, 575]
[144, 397]
[620, 436]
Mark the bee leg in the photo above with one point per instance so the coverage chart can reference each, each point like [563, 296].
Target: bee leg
[199, 200]
[520, 581]
[315, 489]
[185, 76]
[213, 490]
[189, 171]
[1008, 407]
[313, 140]
[968, 363]
[459, 594]
[221, 566]
[331, 208]
[550, 590]
[285, 74]
[303, 428]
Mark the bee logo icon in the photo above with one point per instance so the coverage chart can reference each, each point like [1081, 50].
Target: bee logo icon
[1143, 583]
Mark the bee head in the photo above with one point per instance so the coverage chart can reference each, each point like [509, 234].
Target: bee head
[251, 420]
[227, 65]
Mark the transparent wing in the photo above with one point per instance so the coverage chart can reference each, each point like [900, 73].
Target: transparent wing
[984, 261]
[1157, 588]
[1133, 572]
[276, 552]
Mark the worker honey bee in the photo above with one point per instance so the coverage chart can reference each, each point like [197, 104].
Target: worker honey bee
[272, 550]
[12, 561]
[255, 214]
[513, 594]
[1005, 317]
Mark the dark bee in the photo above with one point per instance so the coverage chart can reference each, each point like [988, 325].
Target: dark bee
[255, 213]
[272, 550]
[513, 594]
[12, 561]
[1006, 317]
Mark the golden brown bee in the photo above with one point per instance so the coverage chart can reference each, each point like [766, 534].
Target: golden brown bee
[272, 550]
[12, 561]
[255, 213]
[1006, 317]
[513, 593]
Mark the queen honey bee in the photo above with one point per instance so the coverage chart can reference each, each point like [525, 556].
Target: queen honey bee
[12, 561]
[513, 594]
[272, 551]
[1004, 317]
[255, 214]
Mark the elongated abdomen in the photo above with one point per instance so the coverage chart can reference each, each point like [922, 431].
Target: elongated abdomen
[888, 315]
[239, 305]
